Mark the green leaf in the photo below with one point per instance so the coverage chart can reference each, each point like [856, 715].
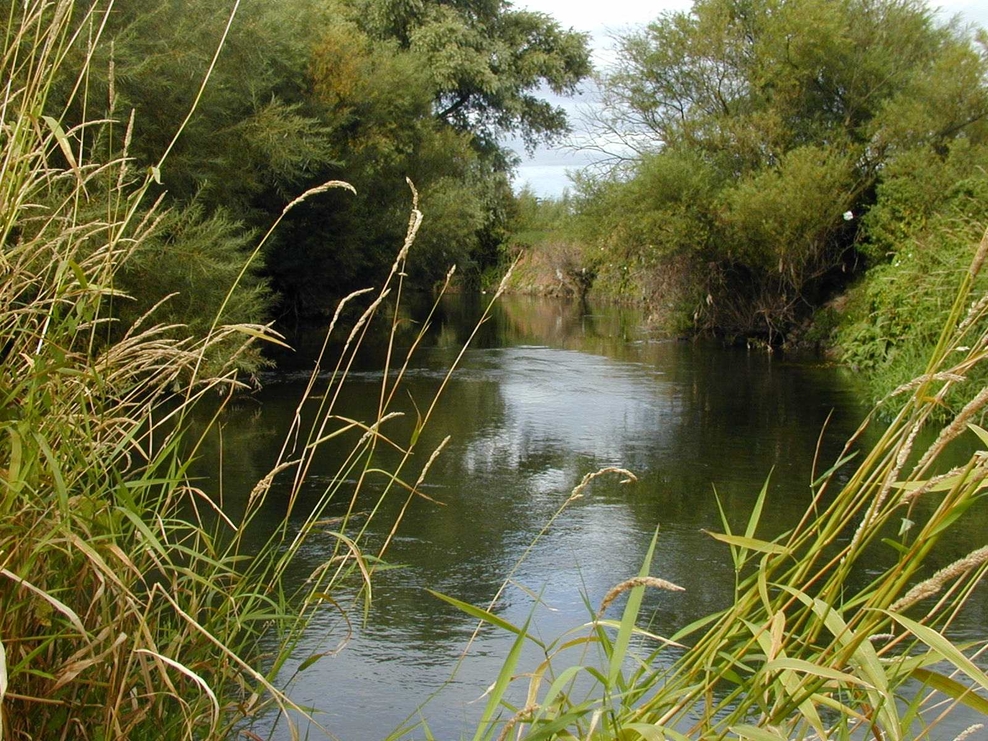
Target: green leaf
[760, 546]
[981, 432]
[61, 490]
[64, 145]
[551, 729]
[945, 484]
[79, 274]
[864, 656]
[952, 688]
[501, 683]
[807, 667]
[942, 646]
[825, 476]
[694, 626]
[309, 662]
[564, 678]
[14, 472]
[629, 617]
[654, 733]
[142, 528]
[487, 617]
[757, 734]
[264, 334]
[735, 556]
[756, 512]
[792, 685]
[895, 545]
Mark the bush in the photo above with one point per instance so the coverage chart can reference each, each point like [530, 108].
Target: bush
[895, 314]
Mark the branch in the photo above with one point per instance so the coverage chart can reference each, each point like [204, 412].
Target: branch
[461, 101]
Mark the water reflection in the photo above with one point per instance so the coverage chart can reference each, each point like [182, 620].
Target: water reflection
[548, 393]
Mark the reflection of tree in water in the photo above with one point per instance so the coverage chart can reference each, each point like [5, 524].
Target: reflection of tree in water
[599, 329]
[238, 451]
[527, 423]
[741, 418]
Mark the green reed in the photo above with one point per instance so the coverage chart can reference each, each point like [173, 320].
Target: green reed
[802, 652]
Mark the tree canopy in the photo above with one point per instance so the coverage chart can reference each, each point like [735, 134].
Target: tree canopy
[367, 91]
[762, 131]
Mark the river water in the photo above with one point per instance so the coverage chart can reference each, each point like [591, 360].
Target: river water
[548, 392]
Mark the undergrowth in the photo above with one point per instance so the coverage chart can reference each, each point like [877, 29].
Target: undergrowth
[131, 605]
[894, 316]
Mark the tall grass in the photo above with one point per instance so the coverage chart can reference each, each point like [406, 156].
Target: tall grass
[804, 651]
[131, 605]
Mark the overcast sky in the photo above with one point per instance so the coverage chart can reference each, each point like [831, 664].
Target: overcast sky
[546, 171]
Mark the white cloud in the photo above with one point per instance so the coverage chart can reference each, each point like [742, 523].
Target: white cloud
[588, 16]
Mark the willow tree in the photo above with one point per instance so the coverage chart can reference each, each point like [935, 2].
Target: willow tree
[215, 102]
[794, 109]
[367, 92]
[488, 62]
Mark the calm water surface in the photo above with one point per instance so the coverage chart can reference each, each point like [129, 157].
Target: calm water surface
[548, 392]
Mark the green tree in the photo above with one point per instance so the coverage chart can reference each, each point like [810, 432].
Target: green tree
[186, 270]
[651, 233]
[377, 101]
[315, 90]
[800, 107]
[424, 92]
[254, 137]
[487, 62]
[252, 143]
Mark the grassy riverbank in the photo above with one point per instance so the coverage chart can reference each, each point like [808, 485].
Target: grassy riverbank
[132, 606]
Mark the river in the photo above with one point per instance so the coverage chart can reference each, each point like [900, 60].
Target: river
[547, 392]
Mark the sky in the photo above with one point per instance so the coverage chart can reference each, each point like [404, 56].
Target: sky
[545, 172]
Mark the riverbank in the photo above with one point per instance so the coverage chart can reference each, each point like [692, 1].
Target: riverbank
[147, 594]
[882, 322]
[556, 267]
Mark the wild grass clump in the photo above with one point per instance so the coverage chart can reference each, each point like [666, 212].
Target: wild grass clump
[813, 647]
[131, 604]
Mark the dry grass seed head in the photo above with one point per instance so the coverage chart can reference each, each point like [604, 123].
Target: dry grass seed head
[524, 714]
[975, 480]
[329, 185]
[955, 428]
[638, 581]
[585, 482]
[969, 731]
[935, 583]
[979, 256]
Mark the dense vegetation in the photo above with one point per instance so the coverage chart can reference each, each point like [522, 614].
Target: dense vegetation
[132, 605]
[770, 154]
[370, 91]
